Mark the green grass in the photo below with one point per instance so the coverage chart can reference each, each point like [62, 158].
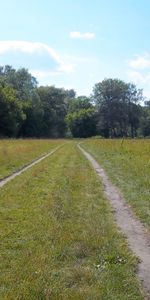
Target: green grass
[59, 239]
[14, 154]
[127, 162]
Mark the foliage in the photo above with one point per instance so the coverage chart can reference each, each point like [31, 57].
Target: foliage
[118, 113]
[11, 113]
[70, 94]
[145, 120]
[23, 88]
[82, 122]
[114, 109]
[54, 111]
[34, 114]
[78, 103]
[20, 80]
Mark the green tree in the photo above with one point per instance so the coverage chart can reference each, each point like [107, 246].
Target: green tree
[116, 103]
[81, 102]
[11, 113]
[70, 94]
[20, 80]
[25, 87]
[81, 123]
[145, 120]
[32, 125]
[54, 111]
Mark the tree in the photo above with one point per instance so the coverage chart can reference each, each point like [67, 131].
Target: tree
[11, 113]
[70, 94]
[78, 103]
[24, 87]
[81, 123]
[116, 103]
[32, 125]
[54, 111]
[20, 80]
[47, 111]
[145, 120]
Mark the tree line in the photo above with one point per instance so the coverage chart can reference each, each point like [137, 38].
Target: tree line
[27, 110]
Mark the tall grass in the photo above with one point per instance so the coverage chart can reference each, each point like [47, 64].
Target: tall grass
[127, 162]
[14, 154]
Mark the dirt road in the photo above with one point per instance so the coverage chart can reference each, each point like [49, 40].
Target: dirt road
[137, 236]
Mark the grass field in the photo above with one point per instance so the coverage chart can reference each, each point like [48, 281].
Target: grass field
[127, 162]
[14, 154]
[59, 239]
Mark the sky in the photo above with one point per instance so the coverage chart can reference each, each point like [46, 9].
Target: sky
[77, 43]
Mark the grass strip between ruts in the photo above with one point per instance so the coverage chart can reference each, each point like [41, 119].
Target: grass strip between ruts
[59, 239]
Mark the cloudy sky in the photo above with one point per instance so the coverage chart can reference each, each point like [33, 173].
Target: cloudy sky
[77, 43]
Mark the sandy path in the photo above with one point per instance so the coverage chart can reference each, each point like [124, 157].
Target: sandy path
[137, 235]
[9, 178]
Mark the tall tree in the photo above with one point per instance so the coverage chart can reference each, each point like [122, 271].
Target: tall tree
[25, 87]
[145, 120]
[81, 102]
[20, 80]
[116, 102]
[32, 125]
[54, 111]
[11, 113]
[70, 94]
[82, 123]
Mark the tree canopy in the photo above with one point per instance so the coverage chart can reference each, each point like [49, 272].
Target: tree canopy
[117, 106]
[29, 110]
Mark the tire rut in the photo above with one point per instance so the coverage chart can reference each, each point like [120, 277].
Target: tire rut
[137, 236]
[25, 168]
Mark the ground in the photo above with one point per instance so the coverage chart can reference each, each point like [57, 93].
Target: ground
[60, 238]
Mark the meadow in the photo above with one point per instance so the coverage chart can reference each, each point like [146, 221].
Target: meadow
[59, 237]
[14, 154]
[127, 163]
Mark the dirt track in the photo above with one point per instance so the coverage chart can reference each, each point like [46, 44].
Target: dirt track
[36, 161]
[137, 236]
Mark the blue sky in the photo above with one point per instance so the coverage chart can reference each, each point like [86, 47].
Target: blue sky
[77, 43]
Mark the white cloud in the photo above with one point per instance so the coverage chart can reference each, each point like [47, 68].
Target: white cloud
[33, 48]
[147, 94]
[79, 35]
[142, 80]
[135, 76]
[140, 62]
[139, 72]
[78, 60]
[42, 74]
[139, 77]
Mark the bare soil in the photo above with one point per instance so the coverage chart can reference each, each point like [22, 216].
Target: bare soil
[137, 235]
